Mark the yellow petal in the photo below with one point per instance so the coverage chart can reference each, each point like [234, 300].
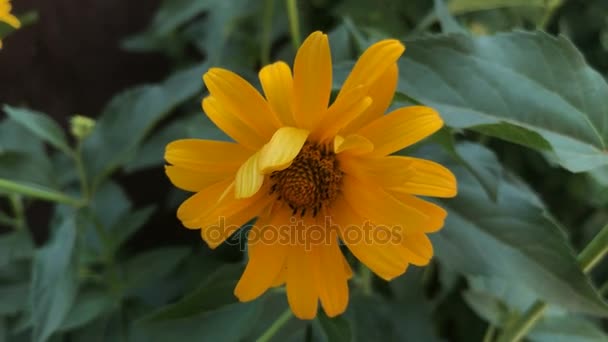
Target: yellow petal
[386, 259]
[312, 77]
[301, 290]
[436, 214]
[420, 247]
[373, 64]
[381, 208]
[281, 150]
[401, 128]
[232, 125]
[248, 179]
[343, 111]
[277, 83]
[332, 278]
[381, 92]
[201, 203]
[202, 155]
[194, 180]
[266, 258]
[428, 179]
[387, 172]
[242, 100]
[229, 215]
[353, 145]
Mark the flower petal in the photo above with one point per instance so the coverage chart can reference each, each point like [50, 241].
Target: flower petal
[277, 83]
[312, 77]
[232, 124]
[401, 128]
[373, 64]
[242, 100]
[352, 145]
[301, 290]
[435, 213]
[202, 155]
[266, 258]
[11, 20]
[343, 111]
[381, 92]
[194, 180]
[281, 150]
[381, 208]
[387, 260]
[420, 248]
[332, 277]
[248, 179]
[201, 203]
[428, 179]
[229, 215]
[387, 172]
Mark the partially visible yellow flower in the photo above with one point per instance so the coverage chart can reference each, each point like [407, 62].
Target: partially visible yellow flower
[314, 174]
[7, 17]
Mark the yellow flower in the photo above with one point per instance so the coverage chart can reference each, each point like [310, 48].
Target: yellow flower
[7, 17]
[314, 174]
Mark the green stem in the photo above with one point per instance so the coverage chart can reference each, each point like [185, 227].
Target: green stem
[490, 332]
[276, 326]
[588, 258]
[267, 32]
[36, 191]
[294, 24]
[82, 175]
[18, 211]
[366, 280]
[595, 250]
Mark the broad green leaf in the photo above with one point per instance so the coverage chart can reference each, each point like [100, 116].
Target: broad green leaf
[36, 191]
[529, 80]
[336, 329]
[131, 115]
[567, 329]
[40, 125]
[128, 224]
[16, 245]
[54, 281]
[486, 306]
[151, 265]
[89, 305]
[24, 159]
[513, 236]
[12, 298]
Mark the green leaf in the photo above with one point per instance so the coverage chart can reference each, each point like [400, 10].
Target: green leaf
[131, 115]
[210, 312]
[128, 224]
[513, 236]
[36, 191]
[532, 81]
[54, 281]
[567, 329]
[155, 264]
[89, 305]
[15, 245]
[40, 125]
[336, 329]
[12, 298]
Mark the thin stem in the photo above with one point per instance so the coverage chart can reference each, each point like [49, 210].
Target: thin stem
[276, 326]
[18, 211]
[82, 175]
[267, 32]
[595, 250]
[366, 280]
[588, 258]
[489, 335]
[294, 24]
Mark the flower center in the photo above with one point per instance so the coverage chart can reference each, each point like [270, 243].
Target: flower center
[311, 182]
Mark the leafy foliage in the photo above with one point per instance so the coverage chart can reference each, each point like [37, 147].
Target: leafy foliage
[524, 110]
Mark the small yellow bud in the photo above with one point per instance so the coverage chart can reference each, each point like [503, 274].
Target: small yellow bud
[81, 126]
